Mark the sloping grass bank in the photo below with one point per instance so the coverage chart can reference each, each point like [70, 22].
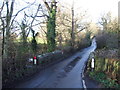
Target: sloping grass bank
[107, 68]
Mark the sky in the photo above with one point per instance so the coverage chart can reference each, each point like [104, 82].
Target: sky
[94, 8]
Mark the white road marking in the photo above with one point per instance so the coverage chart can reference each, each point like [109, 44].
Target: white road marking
[84, 86]
[83, 81]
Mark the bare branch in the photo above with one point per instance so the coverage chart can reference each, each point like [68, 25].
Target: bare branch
[43, 30]
[20, 11]
[66, 25]
[11, 8]
[7, 5]
[38, 24]
[36, 16]
[81, 30]
[68, 20]
[46, 4]
[44, 13]
[1, 8]
[33, 20]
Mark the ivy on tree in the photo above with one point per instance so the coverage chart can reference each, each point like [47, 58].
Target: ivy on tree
[34, 42]
[51, 25]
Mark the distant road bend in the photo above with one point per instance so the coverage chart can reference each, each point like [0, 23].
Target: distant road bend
[57, 76]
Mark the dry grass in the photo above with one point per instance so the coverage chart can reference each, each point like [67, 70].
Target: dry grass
[107, 53]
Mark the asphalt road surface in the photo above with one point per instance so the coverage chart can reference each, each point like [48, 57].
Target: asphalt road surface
[62, 75]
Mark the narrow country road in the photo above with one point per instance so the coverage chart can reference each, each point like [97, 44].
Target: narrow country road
[57, 76]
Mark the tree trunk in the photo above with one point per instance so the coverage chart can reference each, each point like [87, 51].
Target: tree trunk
[72, 32]
[8, 27]
[51, 26]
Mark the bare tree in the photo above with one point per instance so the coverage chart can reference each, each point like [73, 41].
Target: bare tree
[104, 20]
[7, 24]
[69, 24]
